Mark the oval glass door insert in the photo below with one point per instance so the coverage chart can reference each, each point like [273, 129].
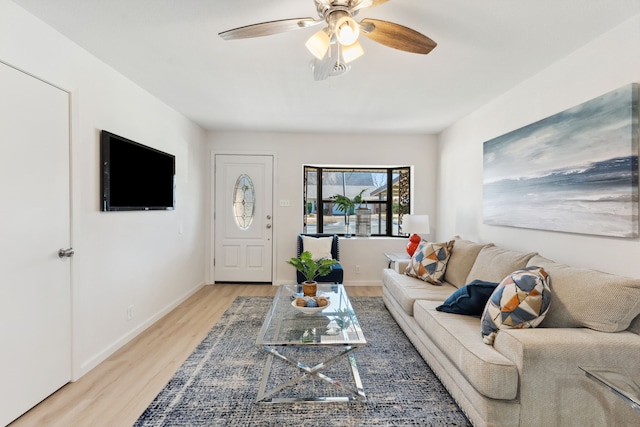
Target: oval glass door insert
[244, 201]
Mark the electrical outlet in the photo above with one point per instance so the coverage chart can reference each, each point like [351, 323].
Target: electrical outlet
[130, 312]
[357, 269]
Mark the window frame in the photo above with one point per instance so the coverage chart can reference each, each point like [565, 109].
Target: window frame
[404, 172]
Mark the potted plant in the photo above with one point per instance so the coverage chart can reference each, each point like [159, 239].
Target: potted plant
[347, 205]
[311, 269]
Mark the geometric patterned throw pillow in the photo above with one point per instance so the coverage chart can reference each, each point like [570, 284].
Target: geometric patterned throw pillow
[429, 261]
[521, 300]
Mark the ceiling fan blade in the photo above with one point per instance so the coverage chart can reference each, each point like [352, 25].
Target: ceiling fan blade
[269, 28]
[362, 4]
[396, 36]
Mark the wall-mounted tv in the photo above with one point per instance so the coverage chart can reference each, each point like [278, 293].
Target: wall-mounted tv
[135, 177]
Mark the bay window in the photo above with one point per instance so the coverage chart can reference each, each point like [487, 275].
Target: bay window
[385, 193]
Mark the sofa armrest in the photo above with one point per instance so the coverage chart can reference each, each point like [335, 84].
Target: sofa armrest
[553, 390]
[562, 350]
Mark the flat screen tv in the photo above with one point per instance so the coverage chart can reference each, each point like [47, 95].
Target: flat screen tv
[135, 177]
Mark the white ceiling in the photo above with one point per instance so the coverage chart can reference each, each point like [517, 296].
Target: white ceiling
[485, 47]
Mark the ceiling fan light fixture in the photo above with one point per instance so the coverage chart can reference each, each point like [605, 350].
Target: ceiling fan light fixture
[352, 52]
[318, 44]
[347, 30]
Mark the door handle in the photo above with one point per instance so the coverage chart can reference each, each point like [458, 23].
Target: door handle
[268, 226]
[66, 253]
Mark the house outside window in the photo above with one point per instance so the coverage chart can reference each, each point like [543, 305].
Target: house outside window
[385, 192]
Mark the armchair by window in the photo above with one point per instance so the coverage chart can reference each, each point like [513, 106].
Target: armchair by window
[322, 245]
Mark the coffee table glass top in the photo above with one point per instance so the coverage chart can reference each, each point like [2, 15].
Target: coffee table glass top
[335, 325]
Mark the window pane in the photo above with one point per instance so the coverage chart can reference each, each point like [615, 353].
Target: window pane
[333, 221]
[310, 207]
[378, 219]
[379, 190]
[243, 202]
[332, 183]
[350, 183]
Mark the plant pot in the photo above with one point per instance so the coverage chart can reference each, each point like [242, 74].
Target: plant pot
[309, 289]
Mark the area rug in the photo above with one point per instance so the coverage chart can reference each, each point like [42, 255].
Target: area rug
[217, 385]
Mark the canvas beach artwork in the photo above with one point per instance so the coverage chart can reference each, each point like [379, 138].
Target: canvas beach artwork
[575, 171]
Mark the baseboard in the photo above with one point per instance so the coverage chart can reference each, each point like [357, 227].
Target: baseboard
[87, 366]
[363, 283]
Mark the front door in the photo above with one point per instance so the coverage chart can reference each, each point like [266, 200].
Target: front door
[243, 247]
[35, 283]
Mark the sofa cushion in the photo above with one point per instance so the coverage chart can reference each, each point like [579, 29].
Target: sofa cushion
[463, 255]
[589, 298]
[494, 264]
[635, 326]
[406, 289]
[520, 301]
[469, 299]
[429, 261]
[488, 371]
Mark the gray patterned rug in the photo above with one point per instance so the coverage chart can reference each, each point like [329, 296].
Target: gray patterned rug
[217, 385]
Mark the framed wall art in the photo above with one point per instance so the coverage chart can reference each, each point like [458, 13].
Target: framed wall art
[575, 171]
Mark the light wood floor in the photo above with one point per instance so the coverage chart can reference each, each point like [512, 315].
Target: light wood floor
[118, 390]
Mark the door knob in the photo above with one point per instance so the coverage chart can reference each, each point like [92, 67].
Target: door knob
[65, 253]
[268, 225]
[268, 216]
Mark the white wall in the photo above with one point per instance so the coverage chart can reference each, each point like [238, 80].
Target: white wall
[151, 260]
[292, 151]
[602, 65]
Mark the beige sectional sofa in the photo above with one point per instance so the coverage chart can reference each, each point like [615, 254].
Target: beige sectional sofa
[529, 377]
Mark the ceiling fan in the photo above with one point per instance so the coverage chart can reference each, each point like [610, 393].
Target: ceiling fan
[336, 45]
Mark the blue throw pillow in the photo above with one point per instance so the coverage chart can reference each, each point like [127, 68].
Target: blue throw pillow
[469, 299]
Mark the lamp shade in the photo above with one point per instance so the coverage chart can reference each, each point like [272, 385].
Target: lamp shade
[318, 44]
[352, 52]
[415, 224]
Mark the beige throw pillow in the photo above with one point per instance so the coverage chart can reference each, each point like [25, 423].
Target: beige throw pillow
[463, 256]
[589, 298]
[320, 247]
[494, 264]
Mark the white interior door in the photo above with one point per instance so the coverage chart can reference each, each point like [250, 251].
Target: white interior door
[35, 284]
[243, 247]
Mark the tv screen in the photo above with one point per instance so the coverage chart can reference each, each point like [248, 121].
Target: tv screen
[134, 176]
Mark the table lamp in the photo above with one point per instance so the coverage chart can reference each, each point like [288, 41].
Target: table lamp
[415, 225]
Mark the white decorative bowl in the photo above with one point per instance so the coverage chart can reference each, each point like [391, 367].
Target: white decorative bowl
[308, 310]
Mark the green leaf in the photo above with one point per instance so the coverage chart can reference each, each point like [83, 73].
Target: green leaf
[309, 268]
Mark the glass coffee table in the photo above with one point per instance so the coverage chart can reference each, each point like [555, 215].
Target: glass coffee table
[295, 338]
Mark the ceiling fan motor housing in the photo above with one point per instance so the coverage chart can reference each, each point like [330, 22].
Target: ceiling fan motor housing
[326, 8]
